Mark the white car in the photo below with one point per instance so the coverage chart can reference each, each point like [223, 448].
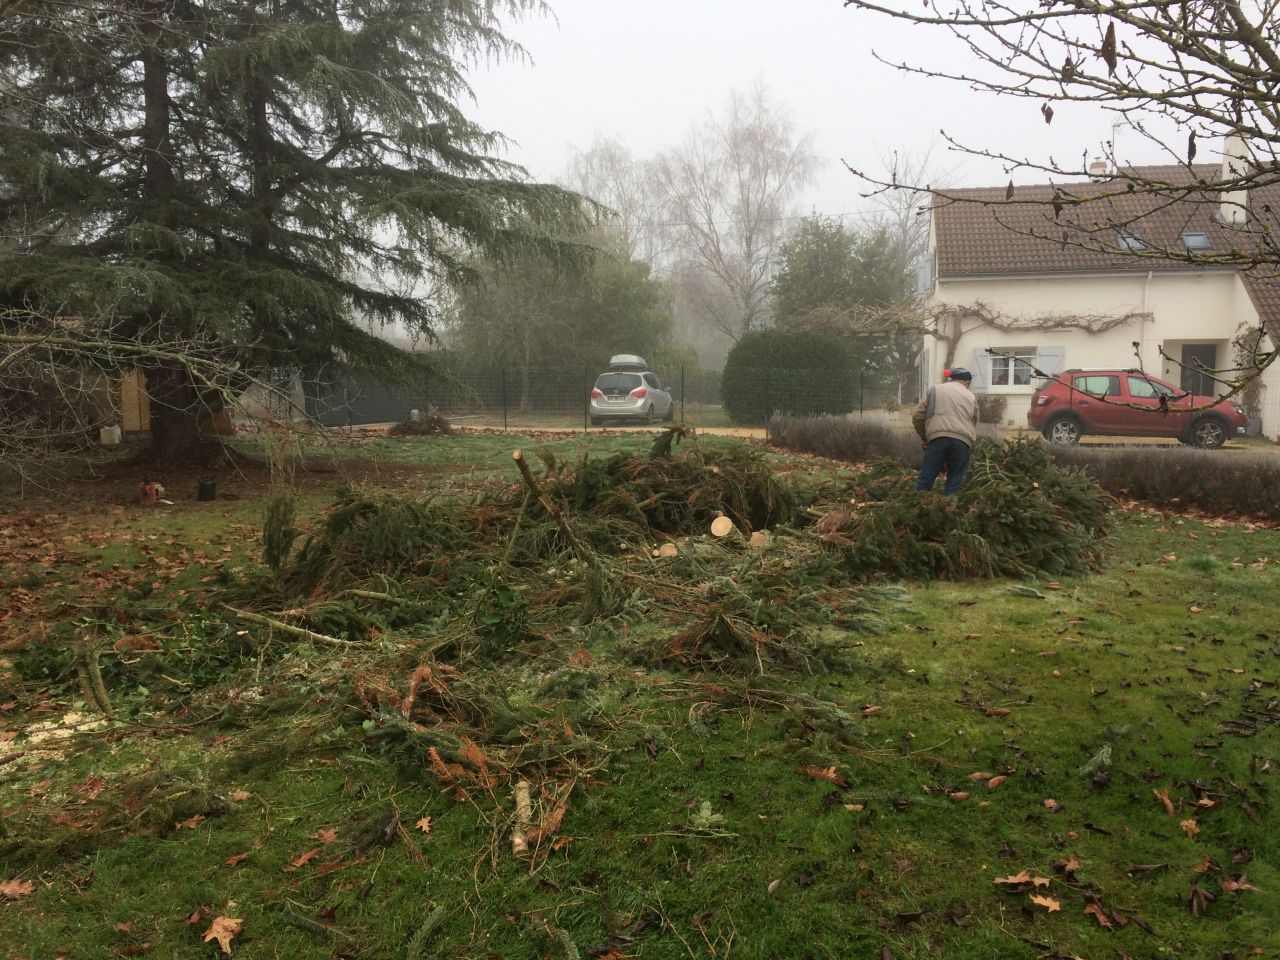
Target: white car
[629, 391]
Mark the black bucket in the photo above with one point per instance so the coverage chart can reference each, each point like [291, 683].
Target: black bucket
[207, 489]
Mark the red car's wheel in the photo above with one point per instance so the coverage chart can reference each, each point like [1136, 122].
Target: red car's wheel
[1064, 430]
[1209, 433]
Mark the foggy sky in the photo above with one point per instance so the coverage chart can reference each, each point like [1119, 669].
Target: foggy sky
[643, 71]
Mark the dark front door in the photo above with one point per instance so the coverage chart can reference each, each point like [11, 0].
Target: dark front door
[1196, 358]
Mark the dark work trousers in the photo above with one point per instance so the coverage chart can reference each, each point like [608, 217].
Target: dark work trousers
[944, 452]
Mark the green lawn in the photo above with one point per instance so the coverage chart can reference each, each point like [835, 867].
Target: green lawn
[765, 812]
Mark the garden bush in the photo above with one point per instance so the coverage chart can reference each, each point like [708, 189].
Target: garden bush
[991, 407]
[843, 439]
[801, 373]
[1221, 482]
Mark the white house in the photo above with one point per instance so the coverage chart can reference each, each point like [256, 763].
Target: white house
[1016, 274]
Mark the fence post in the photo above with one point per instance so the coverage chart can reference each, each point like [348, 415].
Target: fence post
[586, 403]
[682, 393]
[502, 393]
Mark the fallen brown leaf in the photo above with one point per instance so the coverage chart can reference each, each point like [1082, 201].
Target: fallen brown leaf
[1189, 827]
[1050, 904]
[1232, 886]
[825, 773]
[424, 824]
[960, 795]
[237, 859]
[239, 795]
[1095, 911]
[302, 860]
[8, 736]
[870, 711]
[1163, 797]
[13, 889]
[223, 929]
[324, 836]
[1023, 877]
[190, 823]
[996, 781]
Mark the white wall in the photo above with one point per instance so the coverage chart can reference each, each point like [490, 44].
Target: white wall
[1204, 307]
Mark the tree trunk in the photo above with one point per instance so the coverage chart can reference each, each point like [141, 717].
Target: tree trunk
[157, 150]
[176, 412]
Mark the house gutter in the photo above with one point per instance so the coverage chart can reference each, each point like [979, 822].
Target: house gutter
[980, 277]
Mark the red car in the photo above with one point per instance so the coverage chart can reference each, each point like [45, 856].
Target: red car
[1129, 403]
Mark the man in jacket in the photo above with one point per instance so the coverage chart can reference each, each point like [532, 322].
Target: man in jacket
[947, 421]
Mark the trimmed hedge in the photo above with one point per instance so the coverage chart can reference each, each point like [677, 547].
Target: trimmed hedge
[1219, 482]
[842, 439]
[801, 373]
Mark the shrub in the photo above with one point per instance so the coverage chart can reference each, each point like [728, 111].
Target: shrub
[1221, 482]
[991, 407]
[802, 373]
[843, 439]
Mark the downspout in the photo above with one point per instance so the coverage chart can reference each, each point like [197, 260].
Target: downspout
[1146, 317]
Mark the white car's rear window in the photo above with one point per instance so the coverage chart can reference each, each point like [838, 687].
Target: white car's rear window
[618, 382]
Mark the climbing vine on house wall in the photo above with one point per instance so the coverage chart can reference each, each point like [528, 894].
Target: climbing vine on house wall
[948, 323]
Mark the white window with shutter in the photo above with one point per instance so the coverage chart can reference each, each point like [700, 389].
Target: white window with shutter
[1013, 369]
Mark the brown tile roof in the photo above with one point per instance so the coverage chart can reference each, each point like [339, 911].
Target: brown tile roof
[981, 233]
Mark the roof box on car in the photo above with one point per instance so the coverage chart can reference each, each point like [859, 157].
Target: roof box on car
[627, 361]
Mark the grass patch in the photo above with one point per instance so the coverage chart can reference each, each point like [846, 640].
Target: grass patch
[775, 809]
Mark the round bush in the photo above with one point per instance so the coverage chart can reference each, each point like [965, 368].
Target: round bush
[801, 373]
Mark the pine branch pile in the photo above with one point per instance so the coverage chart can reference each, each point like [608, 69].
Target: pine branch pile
[676, 495]
[431, 425]
[494, 631]
[1018, 515]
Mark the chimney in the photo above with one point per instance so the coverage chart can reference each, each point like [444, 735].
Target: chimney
[1233, 205]
[1098, 169]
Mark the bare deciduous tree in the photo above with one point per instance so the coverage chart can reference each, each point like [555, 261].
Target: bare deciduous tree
[729, 190]
[1184, 76]
[607, 173]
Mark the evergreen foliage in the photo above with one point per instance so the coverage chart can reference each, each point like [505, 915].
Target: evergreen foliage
[536, 317]
[857, 284]
[802, 373]
[283, 178]
[1017, 515]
